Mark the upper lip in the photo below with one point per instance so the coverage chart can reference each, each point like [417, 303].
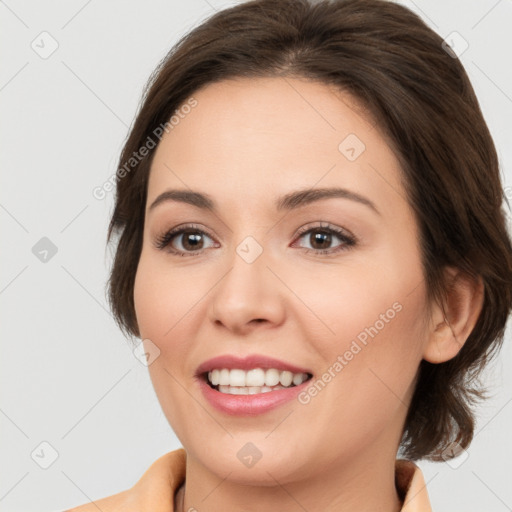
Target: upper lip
[247, 363]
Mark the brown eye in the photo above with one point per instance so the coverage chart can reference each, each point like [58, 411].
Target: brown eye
[185, 241]
[321, 238]
[191, 240]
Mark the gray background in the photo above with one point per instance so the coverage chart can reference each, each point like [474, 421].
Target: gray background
[68, 377]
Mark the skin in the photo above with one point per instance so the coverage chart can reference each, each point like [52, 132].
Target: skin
[246, 143]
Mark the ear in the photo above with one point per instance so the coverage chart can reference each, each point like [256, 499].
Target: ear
[451, 326]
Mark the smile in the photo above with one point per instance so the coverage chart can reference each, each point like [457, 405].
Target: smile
[236, 381]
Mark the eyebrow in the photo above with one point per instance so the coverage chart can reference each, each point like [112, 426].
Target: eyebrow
[290, 201]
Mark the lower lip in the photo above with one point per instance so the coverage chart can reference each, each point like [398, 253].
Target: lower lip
[249, 405]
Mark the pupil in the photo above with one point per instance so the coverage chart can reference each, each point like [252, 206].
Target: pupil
[195, 238]
[321, 237]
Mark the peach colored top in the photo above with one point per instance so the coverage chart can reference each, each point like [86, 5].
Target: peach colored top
[155, 490]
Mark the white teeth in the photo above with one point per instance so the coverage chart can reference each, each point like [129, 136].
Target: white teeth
[237, 378]
[286, 378]
[256, 380]
[272, 377]
[243, 390]
[224, 377]
[255, 377]
[299, 378]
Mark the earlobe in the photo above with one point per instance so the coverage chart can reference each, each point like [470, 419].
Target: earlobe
[451, 327]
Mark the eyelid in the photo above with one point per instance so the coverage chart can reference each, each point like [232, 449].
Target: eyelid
[348, 239]
[164, 240]
[327, 226]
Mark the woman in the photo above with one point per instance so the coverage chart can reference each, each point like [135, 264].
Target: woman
[312, 247]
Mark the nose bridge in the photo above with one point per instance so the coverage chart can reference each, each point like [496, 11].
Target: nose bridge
[248, 290]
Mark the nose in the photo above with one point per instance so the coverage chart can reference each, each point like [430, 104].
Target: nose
[248, 296]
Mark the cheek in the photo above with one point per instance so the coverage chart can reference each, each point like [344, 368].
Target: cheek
[373, 329]
[163, 297]
[379, 303]
[150, 303]
[372, 363]
[353, 301]
[163, 301]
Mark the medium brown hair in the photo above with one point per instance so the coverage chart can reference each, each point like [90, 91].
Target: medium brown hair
[421, 97]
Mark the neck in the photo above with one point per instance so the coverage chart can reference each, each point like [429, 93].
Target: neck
[179, 499]
[362, 485]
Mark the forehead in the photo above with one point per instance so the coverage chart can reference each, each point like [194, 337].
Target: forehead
[256, 136]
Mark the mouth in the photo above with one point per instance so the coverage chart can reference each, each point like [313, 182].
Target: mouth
[236, 381]
[251, 385]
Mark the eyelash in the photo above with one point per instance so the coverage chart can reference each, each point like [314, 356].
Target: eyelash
[164, 240]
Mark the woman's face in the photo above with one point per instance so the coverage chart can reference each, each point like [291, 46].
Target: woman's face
[329, 284]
